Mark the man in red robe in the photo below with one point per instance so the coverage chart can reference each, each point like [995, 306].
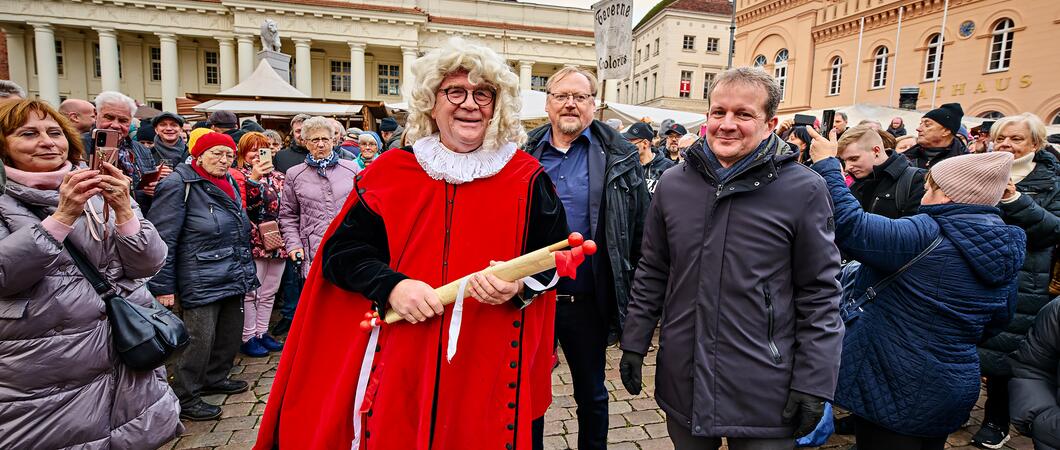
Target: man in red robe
[460, 197]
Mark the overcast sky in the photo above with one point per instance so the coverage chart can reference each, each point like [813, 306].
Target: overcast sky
[640, 7]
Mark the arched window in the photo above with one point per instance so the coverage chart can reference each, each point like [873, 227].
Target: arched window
[836, 77]
[1056, 119]
[992, 115]
[780, 70]
[933, 61]
[760, 61]
[1001, 45]
[879, 67]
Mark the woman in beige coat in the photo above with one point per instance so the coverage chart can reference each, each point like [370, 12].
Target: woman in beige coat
[61, 382]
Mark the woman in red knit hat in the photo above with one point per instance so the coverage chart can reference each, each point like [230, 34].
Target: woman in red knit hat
[199, 214]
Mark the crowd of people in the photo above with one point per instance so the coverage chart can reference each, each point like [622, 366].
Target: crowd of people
[785, 266]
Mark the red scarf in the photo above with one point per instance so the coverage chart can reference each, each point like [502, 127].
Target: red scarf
[220, 182]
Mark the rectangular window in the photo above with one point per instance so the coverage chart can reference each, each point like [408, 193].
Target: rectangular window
[156, 64]
[685, 88]
[340, 76]
[537, 82]
[97, 67]
[654, 85]
[389, 79]
[708, 79]
[647, 51]
[645, 88]
[712, 45]
[656, 46]
[689, 43]
[156, 104]
[210, 63]
[59, 57]
[638, 59]
[636, 90]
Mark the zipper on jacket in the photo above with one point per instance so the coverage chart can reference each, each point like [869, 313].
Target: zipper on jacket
[216, 222]
[773, 350]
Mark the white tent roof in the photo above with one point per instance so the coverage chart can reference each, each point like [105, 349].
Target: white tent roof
[264, 82]
[280, 108]
[633, 113]
[534, 108]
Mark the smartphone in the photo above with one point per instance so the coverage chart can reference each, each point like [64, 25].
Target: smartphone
[804, 119]
[827, 120]
[106, 144]
[265, 155]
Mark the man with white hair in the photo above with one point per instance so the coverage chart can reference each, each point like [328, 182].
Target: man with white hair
[81, 113]
[9, 90]
[114, 111]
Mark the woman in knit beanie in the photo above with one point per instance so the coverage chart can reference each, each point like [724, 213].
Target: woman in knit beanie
[198, 212]
[1032, 202]
[928, 288]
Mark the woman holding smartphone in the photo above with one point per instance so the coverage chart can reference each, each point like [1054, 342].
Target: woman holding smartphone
[264, 186]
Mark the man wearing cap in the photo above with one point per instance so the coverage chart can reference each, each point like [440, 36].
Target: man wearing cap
[226, 122]
[672, 132]
[654, 164]
[391, 133]
[169, 147]
[936, 136]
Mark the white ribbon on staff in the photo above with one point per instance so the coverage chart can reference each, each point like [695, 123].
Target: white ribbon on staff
[362, 385]
[458, 310]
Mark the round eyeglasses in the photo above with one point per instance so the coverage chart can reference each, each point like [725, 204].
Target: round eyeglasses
[457, 95]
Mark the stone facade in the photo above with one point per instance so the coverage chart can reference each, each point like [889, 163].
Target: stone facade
[158, 50]
[678, 47]
[996, 58]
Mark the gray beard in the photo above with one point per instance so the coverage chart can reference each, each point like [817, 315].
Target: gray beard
[570, 129]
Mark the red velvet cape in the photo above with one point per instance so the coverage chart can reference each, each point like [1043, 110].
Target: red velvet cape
[500, 378]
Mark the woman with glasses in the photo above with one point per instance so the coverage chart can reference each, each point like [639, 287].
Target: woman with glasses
[314, 192]
[209, 269]
[462, 195]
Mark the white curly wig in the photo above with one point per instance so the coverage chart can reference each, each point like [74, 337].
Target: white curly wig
[484, 66]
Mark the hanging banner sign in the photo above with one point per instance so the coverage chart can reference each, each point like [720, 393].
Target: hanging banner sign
[613, 27]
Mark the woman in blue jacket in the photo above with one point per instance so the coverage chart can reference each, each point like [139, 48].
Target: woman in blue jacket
[909, 371]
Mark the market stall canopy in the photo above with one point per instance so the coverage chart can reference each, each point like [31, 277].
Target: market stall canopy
[633, 113]
[278, 108]
[534, 109]
[264, 82]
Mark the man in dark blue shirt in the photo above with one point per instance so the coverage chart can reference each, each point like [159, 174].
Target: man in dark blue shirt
[600, 181]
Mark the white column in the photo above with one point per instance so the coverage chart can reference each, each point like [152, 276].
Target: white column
[108, 59]
[525, 69]
[303, 66]
[16, 55]
[357, 80]
[47, 68]
[246, 56]
[170, 77]
[408, 56]
[228, 62]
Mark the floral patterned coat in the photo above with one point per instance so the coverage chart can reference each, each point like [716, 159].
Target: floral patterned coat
[263, 205]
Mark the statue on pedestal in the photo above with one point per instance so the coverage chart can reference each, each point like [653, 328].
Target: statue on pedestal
[270, 36]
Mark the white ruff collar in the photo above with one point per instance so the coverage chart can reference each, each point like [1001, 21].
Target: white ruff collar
[440, 163]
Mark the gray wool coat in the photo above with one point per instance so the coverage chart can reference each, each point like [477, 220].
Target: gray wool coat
[61, 382]
[742, 274]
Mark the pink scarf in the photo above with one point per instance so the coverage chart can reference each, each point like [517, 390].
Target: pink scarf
[40, 180]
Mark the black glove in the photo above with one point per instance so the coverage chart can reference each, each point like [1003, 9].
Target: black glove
[629, 367]
[803, 410]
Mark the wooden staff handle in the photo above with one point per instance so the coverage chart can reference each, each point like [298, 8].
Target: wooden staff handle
[518, 268]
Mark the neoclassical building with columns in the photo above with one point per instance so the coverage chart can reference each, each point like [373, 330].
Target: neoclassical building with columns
[995, 57]
[158, 50]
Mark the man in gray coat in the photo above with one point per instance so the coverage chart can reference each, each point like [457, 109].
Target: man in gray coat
[738, 261]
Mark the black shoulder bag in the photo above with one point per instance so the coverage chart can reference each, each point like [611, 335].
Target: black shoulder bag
[144, 336]
[851, 308]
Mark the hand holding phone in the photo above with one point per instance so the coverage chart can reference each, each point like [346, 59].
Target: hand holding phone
[106, 147]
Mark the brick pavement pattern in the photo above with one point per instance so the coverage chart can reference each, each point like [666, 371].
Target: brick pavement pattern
[636, 421]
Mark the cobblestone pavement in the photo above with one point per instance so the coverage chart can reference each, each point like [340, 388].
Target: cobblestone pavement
[636, 421]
